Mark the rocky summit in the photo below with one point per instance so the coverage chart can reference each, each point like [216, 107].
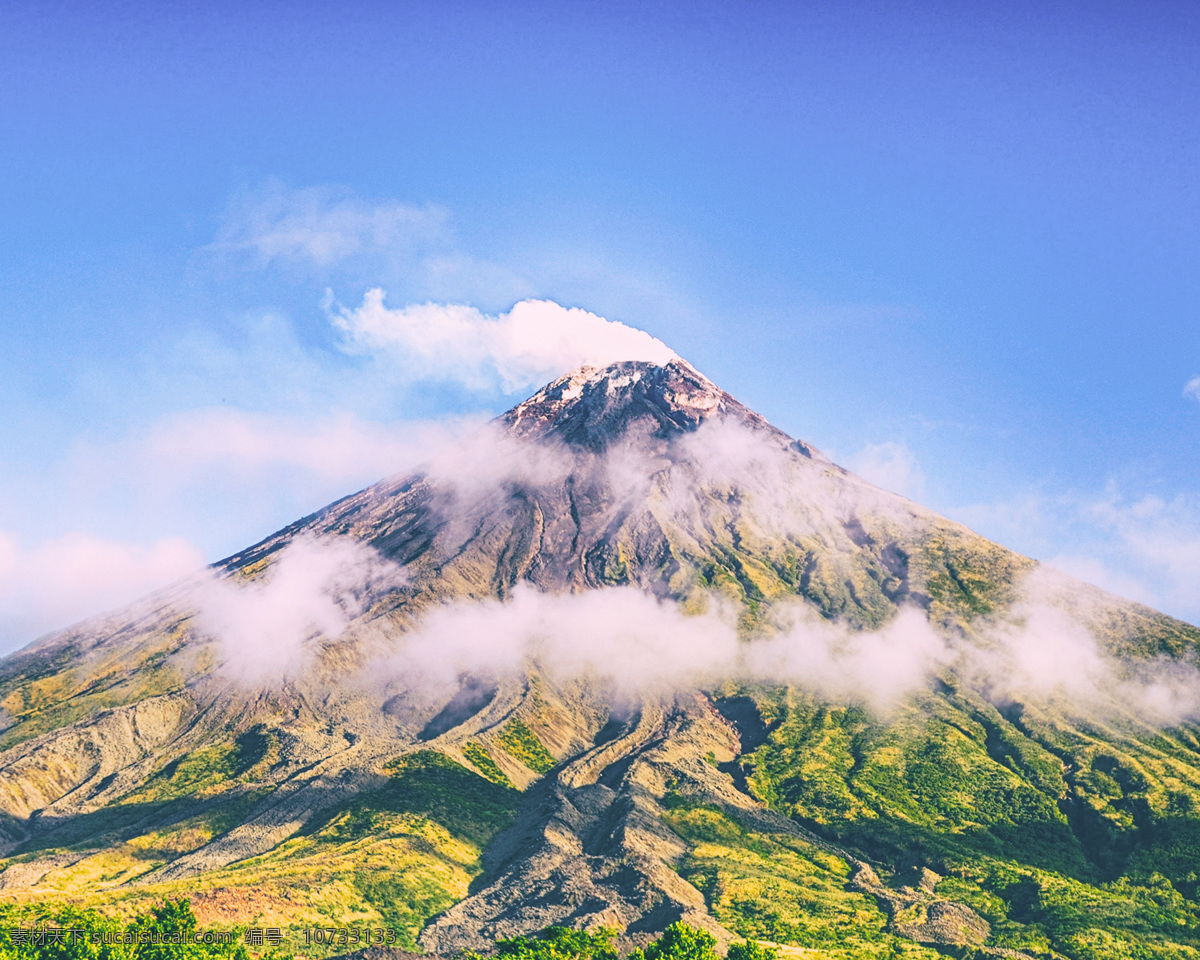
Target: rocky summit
[630, 655]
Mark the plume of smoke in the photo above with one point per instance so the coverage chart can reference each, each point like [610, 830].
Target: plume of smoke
[313, 588]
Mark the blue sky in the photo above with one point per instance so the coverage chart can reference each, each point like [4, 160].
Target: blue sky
[954, 245]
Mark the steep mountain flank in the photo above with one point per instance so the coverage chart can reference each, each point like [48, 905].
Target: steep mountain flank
[346, 786]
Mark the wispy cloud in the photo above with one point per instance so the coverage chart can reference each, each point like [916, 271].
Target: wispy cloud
[218, 479]
[1040, 649]
[225, 477]
[620, 634]
[1043, 649]
[1192, 388]
[335, 236]
[222, 477]
[65, 579]
[332, 233]
[1144, 547]
[336, 451]
[892, 466]
[1040, 653]
[876, 667]
[1159, 540]
[324, 226]
[312, 589]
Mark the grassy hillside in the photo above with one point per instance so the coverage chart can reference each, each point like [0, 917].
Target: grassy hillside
[391, 856]
[1069, 837]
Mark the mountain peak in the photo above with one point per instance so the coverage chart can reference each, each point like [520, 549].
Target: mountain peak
[549, 628]
[593, 405]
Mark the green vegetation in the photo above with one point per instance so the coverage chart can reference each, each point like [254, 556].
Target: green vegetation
[777, 887]
[955, 573]
[679, 942]
[558, 943]
[167, 931]
[482, 761]
[393, 856]
[521, 742]
[750, 950]
[211, 769]
[1068, 838]
[965, 575]
[1073, 839]
[431, 785]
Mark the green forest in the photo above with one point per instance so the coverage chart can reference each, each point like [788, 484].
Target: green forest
[169, 931]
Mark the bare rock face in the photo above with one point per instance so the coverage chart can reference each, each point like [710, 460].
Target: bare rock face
[71, 770]
[919, 914]
[591, 848]
[593, 408]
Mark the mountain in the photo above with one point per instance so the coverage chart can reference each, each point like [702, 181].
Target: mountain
[861, 729]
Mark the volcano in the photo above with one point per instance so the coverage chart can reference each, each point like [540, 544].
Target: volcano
[285, 757]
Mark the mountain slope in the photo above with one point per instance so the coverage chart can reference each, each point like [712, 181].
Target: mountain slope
[961, 813]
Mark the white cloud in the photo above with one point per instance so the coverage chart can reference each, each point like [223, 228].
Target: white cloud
[221, 477]
[619, 634]
[216, 479]
[786, 495]
[892, 466]
[333, 233]
[66, 579]
[638, 643]
[227, 477]
[1160, 541]
[1091, 569]
[1044, 650]
[312, 589]
[533, 342]
[1192, 388]
[490, 459]
[878, 667]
